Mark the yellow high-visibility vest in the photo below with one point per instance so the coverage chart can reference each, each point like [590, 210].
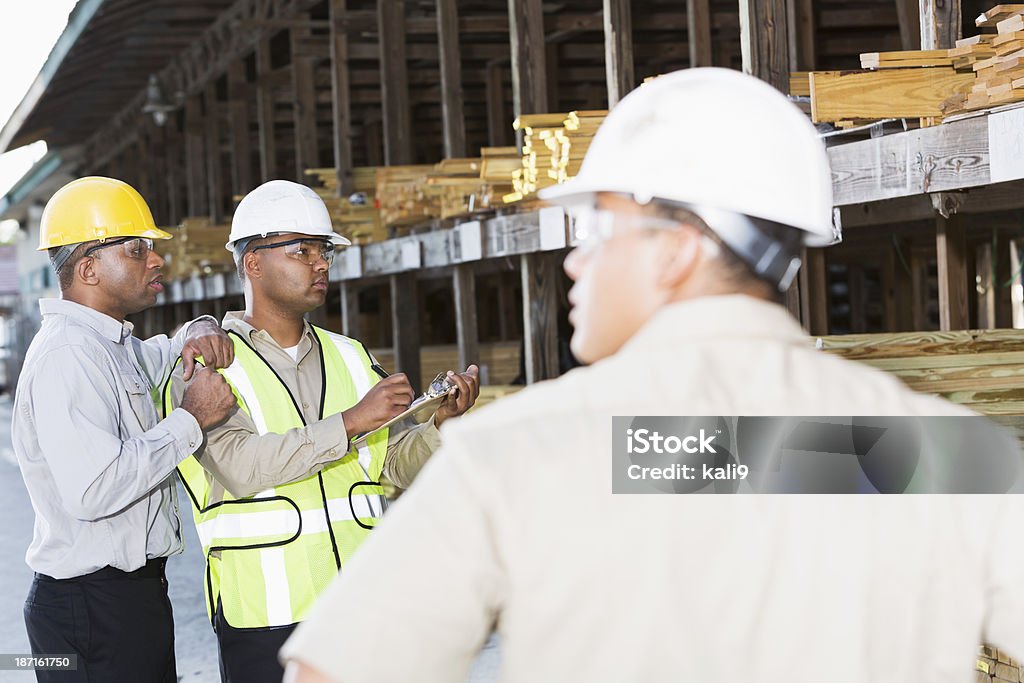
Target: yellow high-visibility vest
[270, 555]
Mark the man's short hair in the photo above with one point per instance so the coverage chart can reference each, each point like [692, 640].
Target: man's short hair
[64, 265]
[238, 252]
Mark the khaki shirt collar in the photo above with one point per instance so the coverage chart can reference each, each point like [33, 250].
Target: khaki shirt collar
[234, 322]
[116, 331]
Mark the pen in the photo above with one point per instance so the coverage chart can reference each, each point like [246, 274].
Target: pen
[379, 370]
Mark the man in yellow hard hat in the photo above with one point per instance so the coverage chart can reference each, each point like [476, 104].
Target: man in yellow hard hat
[690, 216]
[97, 462]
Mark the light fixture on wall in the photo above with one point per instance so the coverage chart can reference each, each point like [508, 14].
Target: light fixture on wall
[156, 103]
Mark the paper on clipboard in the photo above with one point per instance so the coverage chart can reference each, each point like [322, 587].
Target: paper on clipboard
[421, 405]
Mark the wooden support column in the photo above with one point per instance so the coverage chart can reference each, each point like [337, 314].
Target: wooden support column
[765, 41]
[307, 151]
[1003, 266]
[951, 251]
[551, 61]
[814, 292]
[909, 15]
[466, 330]
[903, 284]
[350, 310]
[618, 49]
[214, 176]
[529, 75]
[987, 288]
[803, 50]
[453, 117]
[241, 141]
[539, 277]
[405, 327]
[940, 24]
[394, 83]
[340, 98]
[171, 150]
[197, 204]
[265, 111]
[698, 32]
[499, 125]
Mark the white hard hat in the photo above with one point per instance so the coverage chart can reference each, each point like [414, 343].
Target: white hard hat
[712, 139]
[282, 206]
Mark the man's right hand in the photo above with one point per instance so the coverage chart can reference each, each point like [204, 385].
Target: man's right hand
[387, 398]
[209, 398]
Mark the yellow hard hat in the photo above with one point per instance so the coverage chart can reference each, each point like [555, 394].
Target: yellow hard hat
[96, 208]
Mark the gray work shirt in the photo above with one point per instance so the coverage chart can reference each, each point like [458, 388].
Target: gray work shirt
[97, 461]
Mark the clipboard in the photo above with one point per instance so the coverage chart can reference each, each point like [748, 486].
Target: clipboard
[422, 404]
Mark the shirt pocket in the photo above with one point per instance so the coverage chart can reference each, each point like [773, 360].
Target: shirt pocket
[140, 400]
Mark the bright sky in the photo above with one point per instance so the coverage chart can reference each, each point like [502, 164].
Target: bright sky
[27, 32]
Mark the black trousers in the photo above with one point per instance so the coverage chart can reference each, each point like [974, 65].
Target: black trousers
[118, 623]
[249, 655]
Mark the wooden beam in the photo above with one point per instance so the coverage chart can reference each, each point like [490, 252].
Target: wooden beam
[394, 83]
[466, 330]
[814, 292]
[909, 17]
[214, 172]
[453, 117]
[940, 24]
[764, 41]
[265, 112]
[340, 98]
[197, 202]
[803, 53]
[1004, 271]
[618, 49]
[539, 274]
[499, 124]
[529, 75]
[241, 140]
[951, 251]
[173, 155]
[698, 34]
[405, 327]
[307, 150]
[350, 310]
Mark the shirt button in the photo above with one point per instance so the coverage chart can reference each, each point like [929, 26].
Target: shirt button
[306, 406]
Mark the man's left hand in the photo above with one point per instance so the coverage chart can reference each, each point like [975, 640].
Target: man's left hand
[205, 338]
[462, 399]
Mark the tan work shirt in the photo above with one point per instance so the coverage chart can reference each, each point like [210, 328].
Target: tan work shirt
[585, 585]
[246, 462]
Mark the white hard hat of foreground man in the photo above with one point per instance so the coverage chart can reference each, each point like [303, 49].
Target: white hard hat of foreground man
[692, 205]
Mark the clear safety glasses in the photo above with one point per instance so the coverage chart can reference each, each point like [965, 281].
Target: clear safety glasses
[592, 226]
[134, 247]
[308, 251]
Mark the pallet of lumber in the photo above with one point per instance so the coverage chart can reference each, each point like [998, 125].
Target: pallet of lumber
[905, 59]
[800, 83]
[889, 93]
[553, 148]
[498, 361]
[197, 248]
[997, 14]
[356, 216]
[995, 60]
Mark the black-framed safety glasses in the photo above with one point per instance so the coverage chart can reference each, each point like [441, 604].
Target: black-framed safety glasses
[134, 247]
[304, 249]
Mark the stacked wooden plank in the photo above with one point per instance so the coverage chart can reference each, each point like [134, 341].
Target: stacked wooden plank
[498, 361]
[197, 248]
[553, 148]
[995, 60]
[401, 197]
[358, 220]
[980, 369]
[905, 59]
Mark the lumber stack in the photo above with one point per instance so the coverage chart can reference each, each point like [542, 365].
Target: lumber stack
[360, 222]
[498, 361]
[401, 197]
[553, 148]
[995, 60]
[197, 248]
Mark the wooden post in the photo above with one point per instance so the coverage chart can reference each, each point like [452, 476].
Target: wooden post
[1003, 266]
[194, 162]
[764, 41]
[307, 151]
[394, 83]
[909, 15]
[618, 49]
[241, 142]
[340, 98]
[951, 251]
[265, 111]
[350, 310]
[499, 125]
[453, 118]
[803, 49]
[551, 60]
[405, 327]
[466, 330]
[540, 310]
[940, 24]
[987, 294]
[529, 75]
[172, 155]
[214, 174]
[698, 32]
[903, 284]
[814, 292]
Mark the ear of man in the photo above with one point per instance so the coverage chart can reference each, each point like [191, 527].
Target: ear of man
[678, 263]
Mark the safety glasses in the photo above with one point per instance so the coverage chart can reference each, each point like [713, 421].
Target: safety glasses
[592, 227]
[308, 251]
[134, 247]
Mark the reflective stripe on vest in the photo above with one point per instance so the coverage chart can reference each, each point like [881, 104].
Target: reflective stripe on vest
[270, 555]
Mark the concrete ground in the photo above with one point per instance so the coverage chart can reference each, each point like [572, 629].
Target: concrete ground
[195, 645]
